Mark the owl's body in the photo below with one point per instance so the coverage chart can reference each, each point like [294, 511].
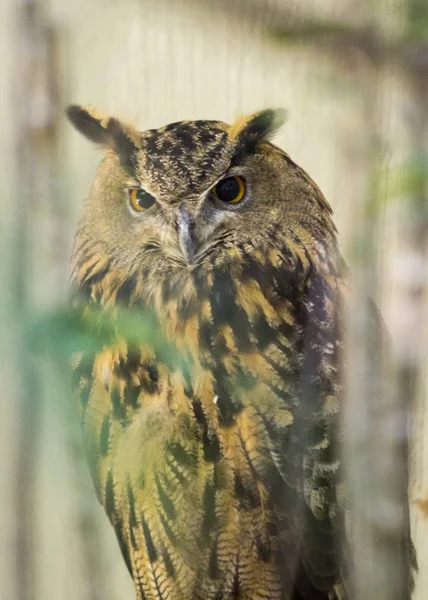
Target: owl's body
[220, 473]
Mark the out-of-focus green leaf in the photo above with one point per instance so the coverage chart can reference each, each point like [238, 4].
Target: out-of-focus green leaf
[65, 331]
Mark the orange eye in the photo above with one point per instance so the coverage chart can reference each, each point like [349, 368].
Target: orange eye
[140, 200]
[230, 189]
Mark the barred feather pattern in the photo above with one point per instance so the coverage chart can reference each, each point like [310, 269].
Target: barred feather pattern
[221, 481]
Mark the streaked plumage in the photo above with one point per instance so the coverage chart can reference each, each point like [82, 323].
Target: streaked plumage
[222, 479]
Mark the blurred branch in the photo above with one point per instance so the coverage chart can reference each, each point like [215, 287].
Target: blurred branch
[410, 51]
[265, 12]
[332, 36]
[300, 24]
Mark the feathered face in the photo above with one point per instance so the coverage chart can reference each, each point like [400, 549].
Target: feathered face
[190, 197]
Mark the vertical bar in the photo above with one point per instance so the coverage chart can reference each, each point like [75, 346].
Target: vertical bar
[35, 111]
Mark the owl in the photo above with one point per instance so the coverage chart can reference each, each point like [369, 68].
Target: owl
[217, 462]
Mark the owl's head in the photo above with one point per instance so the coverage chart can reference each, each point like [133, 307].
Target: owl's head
[194, 195]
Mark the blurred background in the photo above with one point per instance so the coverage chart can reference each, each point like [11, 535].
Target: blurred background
[353, 76]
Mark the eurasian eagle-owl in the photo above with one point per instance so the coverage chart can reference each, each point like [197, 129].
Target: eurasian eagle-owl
[222, 478]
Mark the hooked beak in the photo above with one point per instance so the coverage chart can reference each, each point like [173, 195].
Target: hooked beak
[184, 230]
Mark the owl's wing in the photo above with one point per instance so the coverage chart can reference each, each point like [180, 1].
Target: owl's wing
[321, 514]
[321, 572]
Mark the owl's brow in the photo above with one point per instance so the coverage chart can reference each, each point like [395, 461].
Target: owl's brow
[242, 151]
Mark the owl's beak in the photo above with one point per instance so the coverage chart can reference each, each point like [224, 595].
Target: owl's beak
[184, 230]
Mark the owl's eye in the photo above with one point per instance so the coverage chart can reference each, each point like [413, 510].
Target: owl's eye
[230, 189]
[140, 200]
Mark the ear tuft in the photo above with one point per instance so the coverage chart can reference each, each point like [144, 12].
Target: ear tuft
[249, 130]
[106, 131]
[124, 141]
[89, 123]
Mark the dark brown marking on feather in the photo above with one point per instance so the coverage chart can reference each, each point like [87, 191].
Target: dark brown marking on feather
[220, 347]
[248, 459]
[199, 413]
[129, 363]
[205, 135]
[219, 477]
[318, 432]
[286, 374]
[236, 587]
[263, 549]
[213, 567]
[169, 566]
[126, 290]
[211, 156]
[119, 411]
[185, 135]
[285, 395]
[209, 516]
[153, 372]
[131, 395]
[289, 332]
[84, 286]
[244, 378]
[205, 335]
[287, 282]
[151, 550]
[210, 441]
[181, 455]
[109, 495]
[169, 532]
[169, 290]
[254, 270]
[244, 493]
[225, 310]
[123, 544]
[131, 503]
[105, 435]
[140, 586]
[186, 310]
[133, 539]
[152, 157]
[279, 436]
[264, 333]
[228, 408]
[167, 503]
[170, 126]
[148, 385]
[212, 449]
[287, 350]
